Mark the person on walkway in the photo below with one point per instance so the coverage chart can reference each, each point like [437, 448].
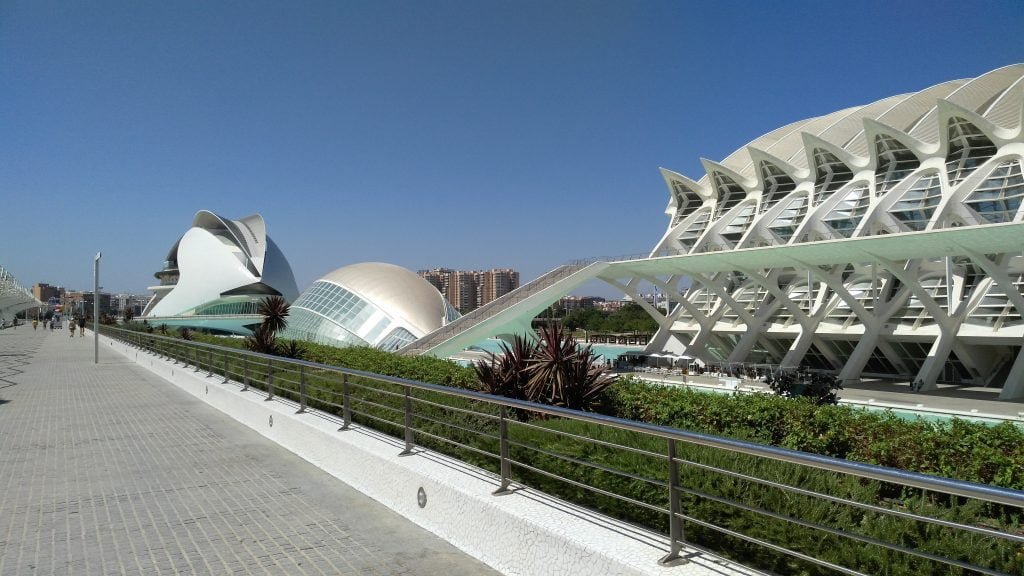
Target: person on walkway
[81, 326]
[71, 327]
[35, 324]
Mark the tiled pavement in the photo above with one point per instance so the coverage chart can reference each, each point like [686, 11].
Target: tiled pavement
[107, 469]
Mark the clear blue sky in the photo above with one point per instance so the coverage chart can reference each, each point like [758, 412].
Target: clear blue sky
[470, 134]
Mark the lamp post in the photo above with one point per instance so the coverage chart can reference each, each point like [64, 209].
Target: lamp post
[96, 307]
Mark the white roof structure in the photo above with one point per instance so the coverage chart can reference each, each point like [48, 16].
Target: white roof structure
[13, 296]
[217, 272]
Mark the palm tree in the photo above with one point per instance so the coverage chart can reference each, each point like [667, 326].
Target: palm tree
[274, 310]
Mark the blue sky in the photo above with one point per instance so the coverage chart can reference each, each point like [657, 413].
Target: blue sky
[472, 134]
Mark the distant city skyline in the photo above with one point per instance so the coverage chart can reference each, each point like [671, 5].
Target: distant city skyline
[522, 134]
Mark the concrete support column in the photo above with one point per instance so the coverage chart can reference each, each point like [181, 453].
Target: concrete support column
[666, 339]
[1014, 387]
[927, 377]
[745, 345]
[799, 348]
[974, 359]
[859, 358]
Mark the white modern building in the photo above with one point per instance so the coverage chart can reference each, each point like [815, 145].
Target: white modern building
[216, 274]
[369, 304]
[947, 157]
[879, 241]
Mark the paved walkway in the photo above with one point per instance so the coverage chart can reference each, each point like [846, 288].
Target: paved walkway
[107, 469]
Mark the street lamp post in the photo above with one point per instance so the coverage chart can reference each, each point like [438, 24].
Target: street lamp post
[96, 307]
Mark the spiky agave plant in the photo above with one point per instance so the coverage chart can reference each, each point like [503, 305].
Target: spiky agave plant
[505, 374]
[563, 375]
[547, 367]
[587, 379]
[274, 310]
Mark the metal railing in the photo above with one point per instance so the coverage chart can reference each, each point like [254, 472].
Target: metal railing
[663, 478]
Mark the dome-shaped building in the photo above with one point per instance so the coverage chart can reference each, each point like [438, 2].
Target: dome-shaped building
[368, 304]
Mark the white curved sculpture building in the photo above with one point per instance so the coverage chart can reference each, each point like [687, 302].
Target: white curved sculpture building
[949, 156]
[368, 304]
[215, 275]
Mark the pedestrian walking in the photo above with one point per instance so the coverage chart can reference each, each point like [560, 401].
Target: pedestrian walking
[35, 324]
[81, 326]
[71, 327]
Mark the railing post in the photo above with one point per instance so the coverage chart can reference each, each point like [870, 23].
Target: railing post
[227, 360]
[506, 467]
[209, 364]
[245, 373]
[195, 358]
[270, 380]
[302, 390]
[408, 423]
[675, 523]
[346, 404]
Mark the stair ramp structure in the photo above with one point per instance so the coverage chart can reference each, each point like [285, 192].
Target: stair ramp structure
[506, 316]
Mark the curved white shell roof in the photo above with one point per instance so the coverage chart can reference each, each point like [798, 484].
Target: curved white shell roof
[395, 290]
[218, 256]
[913, 113]
[884, 146]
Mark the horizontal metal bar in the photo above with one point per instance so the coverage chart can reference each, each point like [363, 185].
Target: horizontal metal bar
[771, 546]
[579, 462]
[836, 532]
[590, 488]
[418, 416]
[591, 440]
[362, 401]
[854, 503]
[454, 409]
[459, 444]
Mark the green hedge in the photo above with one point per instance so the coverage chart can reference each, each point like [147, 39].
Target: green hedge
[958, 448]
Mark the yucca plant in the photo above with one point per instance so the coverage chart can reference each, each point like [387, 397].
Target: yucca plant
[185, 333]
[274, 310]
